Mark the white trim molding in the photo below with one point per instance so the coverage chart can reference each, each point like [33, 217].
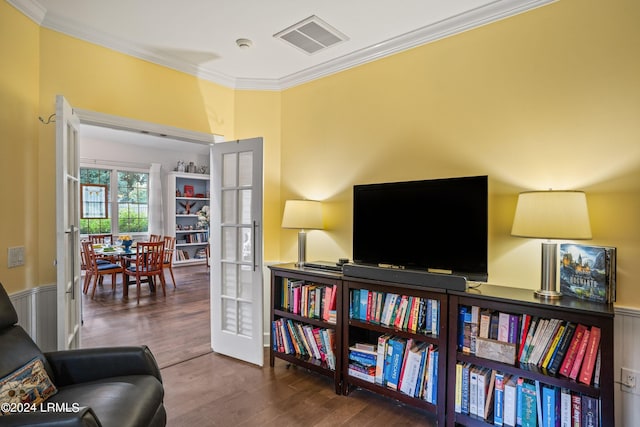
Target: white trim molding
[491, 12]
[626, 311]
[95, 118]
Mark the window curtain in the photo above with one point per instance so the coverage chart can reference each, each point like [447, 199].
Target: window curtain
[156, 213]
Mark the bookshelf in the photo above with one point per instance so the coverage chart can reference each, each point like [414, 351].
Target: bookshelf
[191, 239]
[374, 313]
[536, 368]
[351, 328]
[302, 325]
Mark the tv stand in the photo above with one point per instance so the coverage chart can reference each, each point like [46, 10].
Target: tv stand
[409, 277]
[349, 328]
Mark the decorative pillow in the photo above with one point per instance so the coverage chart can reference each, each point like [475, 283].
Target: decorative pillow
[29, 384]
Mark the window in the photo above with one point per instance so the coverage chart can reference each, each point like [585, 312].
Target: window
[133, 202]
[128, 211]
[96, 225]
[93, 201]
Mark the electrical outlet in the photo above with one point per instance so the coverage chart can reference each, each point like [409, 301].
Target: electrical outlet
[15, 257]
[629, 380]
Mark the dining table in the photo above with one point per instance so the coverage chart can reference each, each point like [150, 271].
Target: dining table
[125, 257]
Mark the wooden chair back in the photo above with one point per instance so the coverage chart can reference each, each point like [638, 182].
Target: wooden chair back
[149, 257]
[148, 263]
[155, 238]
[97, 270]
[85, 259]
[101, 238]
[169, 249]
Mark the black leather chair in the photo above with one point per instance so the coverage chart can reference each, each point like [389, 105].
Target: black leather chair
[118, 386]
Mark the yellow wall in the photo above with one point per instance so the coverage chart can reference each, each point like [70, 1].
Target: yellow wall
[546, 99]
[549, 98]
[257, 113]
[19, 62]
[98, 79]
[46, 63]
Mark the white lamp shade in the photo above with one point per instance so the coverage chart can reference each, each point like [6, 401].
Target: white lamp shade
[302, 214]
[552, 215]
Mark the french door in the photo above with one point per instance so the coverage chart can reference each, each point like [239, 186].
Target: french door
[67, 226]
[236, 250]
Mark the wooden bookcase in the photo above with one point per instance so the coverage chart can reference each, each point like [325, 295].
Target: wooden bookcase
[521, 301]
[349, 330]
[357, 330]
[280, 275]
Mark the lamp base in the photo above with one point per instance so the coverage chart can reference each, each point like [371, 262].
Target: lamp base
[542, 293]
[302, 248]
[548, 277]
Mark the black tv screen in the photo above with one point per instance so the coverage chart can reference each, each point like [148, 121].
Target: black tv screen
[439, 224]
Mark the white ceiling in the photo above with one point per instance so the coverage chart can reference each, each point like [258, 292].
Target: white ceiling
[199, 36]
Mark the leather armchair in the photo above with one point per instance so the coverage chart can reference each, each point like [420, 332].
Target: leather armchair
[118, 386]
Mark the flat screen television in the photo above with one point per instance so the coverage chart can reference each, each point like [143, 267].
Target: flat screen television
[436, 225]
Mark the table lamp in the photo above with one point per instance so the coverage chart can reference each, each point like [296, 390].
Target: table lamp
[551, 215]
[303, 215]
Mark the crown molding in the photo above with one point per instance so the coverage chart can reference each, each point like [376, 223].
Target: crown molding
[475, 18]
[58, 23]
[32, 9]
[483, 15]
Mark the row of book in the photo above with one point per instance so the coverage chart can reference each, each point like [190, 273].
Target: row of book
[304, 340]
[508, 400]
[182, 255]
[401, 312]
[551, 346]
[404, 365]
[311, 300]
[196, 237]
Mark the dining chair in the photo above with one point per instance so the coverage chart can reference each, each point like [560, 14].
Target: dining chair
[169, 249]
[147, 263]
[101, 239]
[97, 271]
[155, 238]
[85, 265]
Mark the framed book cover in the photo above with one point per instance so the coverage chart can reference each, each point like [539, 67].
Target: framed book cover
[588, 272]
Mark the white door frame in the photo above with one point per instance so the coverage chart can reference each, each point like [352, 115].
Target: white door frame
[88, 117]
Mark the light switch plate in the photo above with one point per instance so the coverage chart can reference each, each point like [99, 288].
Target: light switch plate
[16, 256]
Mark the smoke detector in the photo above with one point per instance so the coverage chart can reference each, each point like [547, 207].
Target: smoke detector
[311, 35]
[244, 43]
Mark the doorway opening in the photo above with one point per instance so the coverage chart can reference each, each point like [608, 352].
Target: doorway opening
[176, 328]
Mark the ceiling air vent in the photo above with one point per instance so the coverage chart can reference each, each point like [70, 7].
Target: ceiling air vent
[311, 35]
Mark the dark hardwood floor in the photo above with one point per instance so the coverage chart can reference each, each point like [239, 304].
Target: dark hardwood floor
[203, 388]
[175, 328]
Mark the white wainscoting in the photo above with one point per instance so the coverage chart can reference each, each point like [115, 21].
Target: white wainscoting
[36, 310]
[626, 355]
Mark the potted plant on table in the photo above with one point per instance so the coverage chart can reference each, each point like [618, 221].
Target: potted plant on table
[127, 241]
